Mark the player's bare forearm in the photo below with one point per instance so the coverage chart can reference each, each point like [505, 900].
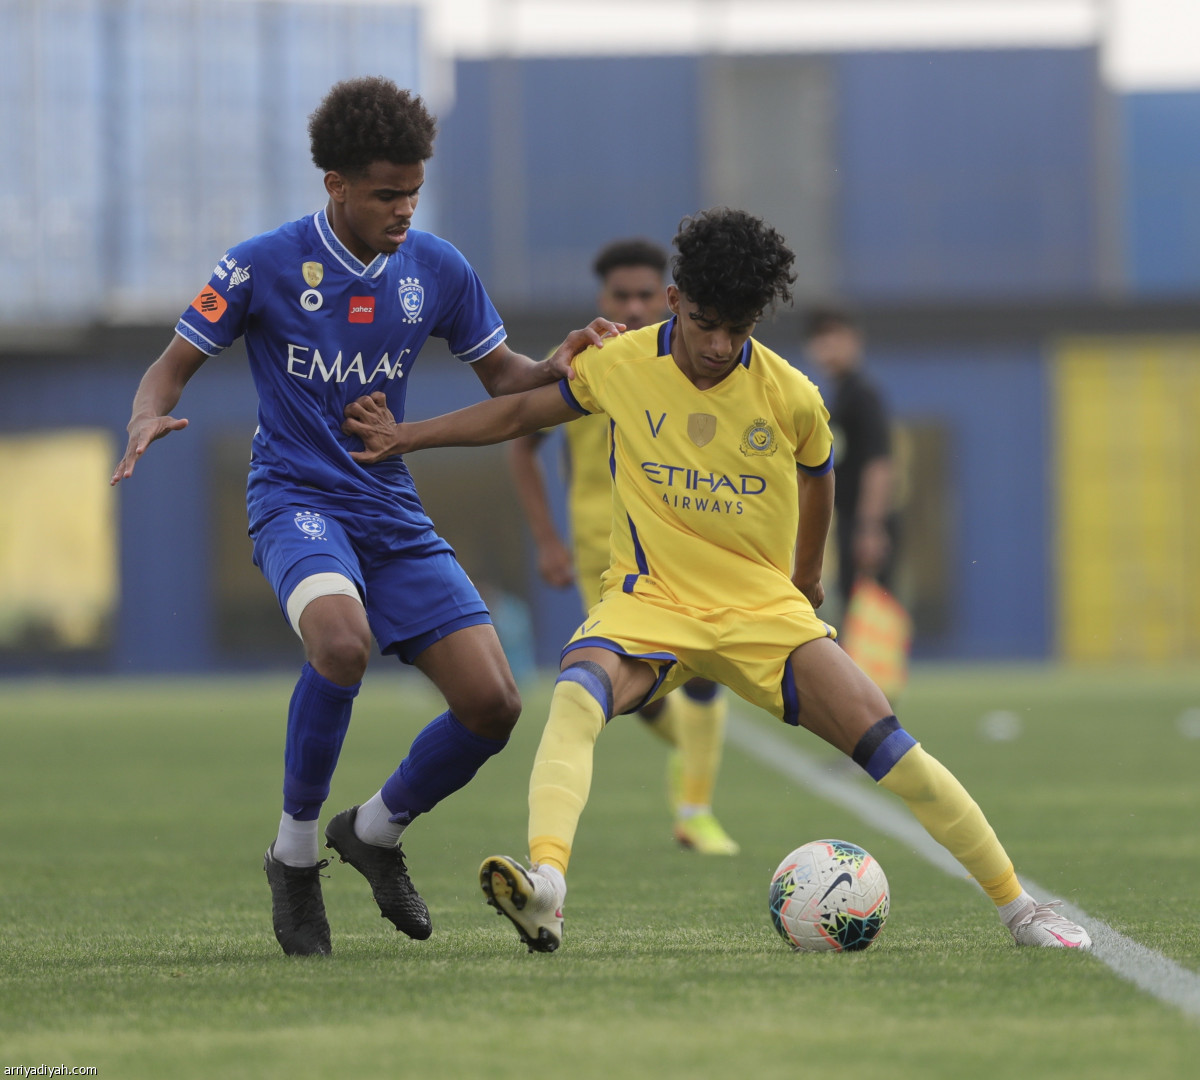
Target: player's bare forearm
[872, 543]
[816, 512]
[157, 394]
[527, 477]
[553, 557]
[494, 421]
[517, 374]
[875, 492]
[503, 371]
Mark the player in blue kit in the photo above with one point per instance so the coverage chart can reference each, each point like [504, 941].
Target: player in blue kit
[334, 306]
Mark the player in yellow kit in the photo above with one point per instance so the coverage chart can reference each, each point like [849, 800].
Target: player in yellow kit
[633, 292]
[722, 463]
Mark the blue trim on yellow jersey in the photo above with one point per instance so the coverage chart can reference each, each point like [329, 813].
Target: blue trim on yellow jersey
[639, 555]
[818, 470]
[565, 389]
[667, 661]
[612, 448]
[664, 337]
[664, 342]
[791, 696]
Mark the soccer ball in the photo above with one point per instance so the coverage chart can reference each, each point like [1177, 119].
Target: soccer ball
[829, 896]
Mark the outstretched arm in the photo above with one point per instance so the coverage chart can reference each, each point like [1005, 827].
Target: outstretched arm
[497, 420]
[157, 394]
[816, 512]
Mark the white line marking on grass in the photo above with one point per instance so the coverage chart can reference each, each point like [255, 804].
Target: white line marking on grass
[1148, 970]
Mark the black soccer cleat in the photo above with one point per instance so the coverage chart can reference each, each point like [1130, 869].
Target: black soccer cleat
[297, 910]
[384, 869]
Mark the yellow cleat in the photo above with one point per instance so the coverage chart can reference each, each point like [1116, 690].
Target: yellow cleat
[702, 833]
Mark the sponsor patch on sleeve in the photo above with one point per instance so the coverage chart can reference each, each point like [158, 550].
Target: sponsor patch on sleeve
[210, 303]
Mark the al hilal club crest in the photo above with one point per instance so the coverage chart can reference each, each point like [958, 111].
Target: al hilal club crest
[311, 524]
[412, 299]
[758, 440]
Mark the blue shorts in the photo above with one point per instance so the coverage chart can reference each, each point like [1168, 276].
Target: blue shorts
[412, 599]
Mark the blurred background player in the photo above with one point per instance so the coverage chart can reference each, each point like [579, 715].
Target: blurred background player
[866, 522]
[334, 305]
[633, 291]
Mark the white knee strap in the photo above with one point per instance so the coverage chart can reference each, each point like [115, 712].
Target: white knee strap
[309, 588]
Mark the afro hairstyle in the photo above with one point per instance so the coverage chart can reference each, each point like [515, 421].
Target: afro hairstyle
[362, 121]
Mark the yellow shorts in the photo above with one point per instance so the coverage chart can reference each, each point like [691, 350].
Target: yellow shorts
[746, 651]
[589, 569]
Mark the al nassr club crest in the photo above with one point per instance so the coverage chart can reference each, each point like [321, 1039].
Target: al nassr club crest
[758, 440]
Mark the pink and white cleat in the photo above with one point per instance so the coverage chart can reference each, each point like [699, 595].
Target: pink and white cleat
[1039, 924]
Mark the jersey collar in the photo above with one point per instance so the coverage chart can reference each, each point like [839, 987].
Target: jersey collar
[343, 254]
[664, 342]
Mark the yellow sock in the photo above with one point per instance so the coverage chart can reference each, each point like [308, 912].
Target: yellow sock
[562, 773]
[941, 804]
[666, 724]
[701, 728]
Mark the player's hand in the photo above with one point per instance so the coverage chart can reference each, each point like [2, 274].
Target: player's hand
[368, 418]
[814, 590]
[555, 565]
[576, 341]
[141, 434]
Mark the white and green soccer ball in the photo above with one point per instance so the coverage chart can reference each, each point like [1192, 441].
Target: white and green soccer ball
[829, 896]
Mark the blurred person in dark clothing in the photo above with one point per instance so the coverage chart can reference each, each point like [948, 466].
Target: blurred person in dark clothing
[864, 497]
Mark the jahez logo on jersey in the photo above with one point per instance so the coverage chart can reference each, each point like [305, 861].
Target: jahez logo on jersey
[362, 309]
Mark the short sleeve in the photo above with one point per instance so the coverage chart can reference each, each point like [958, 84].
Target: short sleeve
[814, 440]
[217, 317]
[580, 392]
[467, 319]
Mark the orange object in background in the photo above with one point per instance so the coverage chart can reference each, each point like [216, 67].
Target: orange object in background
[877, 633]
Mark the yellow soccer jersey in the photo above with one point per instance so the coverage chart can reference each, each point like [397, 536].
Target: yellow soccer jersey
[589, 492]
[705, 505]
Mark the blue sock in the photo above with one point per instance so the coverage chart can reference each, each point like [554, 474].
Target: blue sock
[318, 717]
[884, 743]
[443, 758]
[701, 694]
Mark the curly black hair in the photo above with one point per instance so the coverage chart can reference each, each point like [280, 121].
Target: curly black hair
[362, 121]
[732, 265]
[632, 252]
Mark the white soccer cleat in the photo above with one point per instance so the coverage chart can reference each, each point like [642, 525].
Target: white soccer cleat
[530, 901]
[1040, 925]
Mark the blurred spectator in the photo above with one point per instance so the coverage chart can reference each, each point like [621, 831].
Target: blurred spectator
[867, 523]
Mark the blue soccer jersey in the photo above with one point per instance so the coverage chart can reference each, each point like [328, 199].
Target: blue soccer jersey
[321, 330]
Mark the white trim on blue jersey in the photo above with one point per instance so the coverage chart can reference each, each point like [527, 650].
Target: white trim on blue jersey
[343, 254]
[193, 337]
[478, 352]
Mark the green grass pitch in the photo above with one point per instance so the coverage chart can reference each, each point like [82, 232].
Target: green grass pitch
[135, 918]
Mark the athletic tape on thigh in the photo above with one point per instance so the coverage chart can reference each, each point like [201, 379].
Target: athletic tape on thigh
[309, 588]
